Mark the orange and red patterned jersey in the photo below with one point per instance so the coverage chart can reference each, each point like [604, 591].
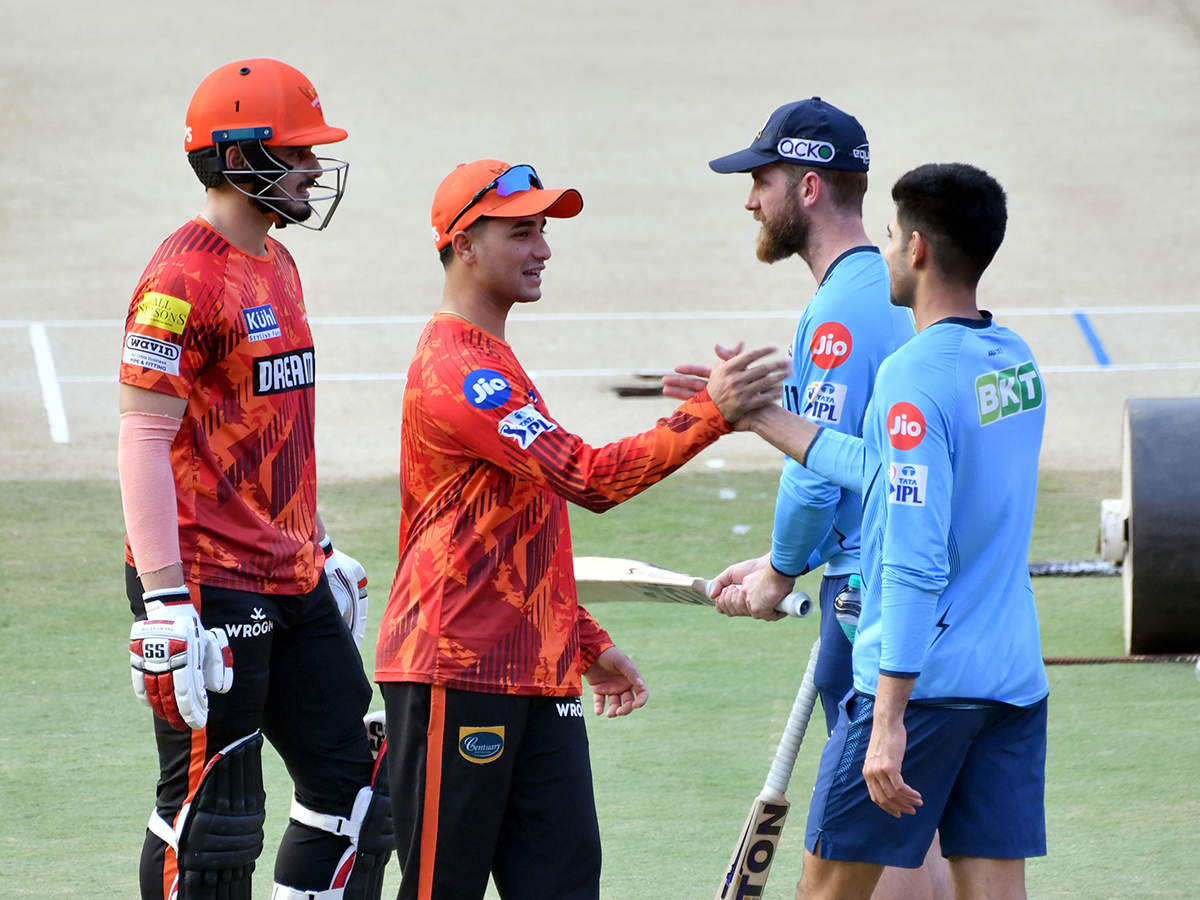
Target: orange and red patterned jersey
[228, 331]
[484, 595]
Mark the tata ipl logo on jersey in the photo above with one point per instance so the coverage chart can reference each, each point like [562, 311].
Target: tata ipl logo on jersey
[481, 745]
[261, 324]
[163, 311]
[1008, 392]
[906, 484]
[830, 345]
[905, 426]
[802, 150]
[485, 389]
[525, 425]
[824, 401]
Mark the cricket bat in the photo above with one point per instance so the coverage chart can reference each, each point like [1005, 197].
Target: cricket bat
[755, 850]
[603, 578]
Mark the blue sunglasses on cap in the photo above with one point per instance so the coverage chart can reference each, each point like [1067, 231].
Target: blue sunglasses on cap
[511, 181]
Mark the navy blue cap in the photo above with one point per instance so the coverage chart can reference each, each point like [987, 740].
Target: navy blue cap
[808, 133]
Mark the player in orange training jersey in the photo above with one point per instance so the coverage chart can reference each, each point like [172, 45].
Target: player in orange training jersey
[483, 643]
[246, 620]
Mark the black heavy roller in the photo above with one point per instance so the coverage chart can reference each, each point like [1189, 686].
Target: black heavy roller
[1161, 503]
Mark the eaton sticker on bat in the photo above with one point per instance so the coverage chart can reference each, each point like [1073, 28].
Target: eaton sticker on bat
[906, 484]
[824, 402]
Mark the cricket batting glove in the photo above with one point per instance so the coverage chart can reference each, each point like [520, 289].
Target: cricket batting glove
[175, 660]
[348, 581]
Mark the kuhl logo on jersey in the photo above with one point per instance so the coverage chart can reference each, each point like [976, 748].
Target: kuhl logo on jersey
[151, 353]
[824, 402]
[906, 484]
[485, 389]
[525, 425]
[261, 324]
[830, 345]
[905, 425]
[1008, 392]
[481, 745]
[285, 372]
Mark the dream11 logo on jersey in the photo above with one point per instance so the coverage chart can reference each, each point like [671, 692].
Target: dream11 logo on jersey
[830, 346]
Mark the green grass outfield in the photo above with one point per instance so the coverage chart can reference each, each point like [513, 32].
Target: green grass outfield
[673, 781]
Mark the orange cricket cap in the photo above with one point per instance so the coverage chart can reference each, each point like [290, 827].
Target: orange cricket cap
[478, 189]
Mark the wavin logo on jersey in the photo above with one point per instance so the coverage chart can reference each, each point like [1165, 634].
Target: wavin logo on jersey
[525, 425]
[1008, 392]
[481, 745]
[824, 402]
[261, 324]
[905, 426]
[906, 484]
[830, 345]
[803, 150]
[151, 353]
[486, 389]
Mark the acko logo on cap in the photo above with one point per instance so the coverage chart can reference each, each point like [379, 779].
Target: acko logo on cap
[830, 346]
[481, 745]
[486, 389]
[905, 425]
[803, 150]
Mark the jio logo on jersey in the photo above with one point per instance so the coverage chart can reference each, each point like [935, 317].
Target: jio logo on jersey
[905, 425]
[824, 401]
[906, 484]
[485, 389]
[830, 345]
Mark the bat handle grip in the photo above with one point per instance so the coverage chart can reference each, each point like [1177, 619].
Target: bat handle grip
[797, 724]
[797, 604]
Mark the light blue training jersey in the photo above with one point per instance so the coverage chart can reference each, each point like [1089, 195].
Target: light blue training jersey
[948, 463]
[848, 328]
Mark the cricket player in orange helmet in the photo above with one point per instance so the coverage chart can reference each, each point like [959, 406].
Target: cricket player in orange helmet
[247, 622]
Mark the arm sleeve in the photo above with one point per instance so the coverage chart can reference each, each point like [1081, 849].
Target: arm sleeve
[915, 555]
[841, 458]
[148, 489]
[593, 640]
[526, 441]
[804, 507]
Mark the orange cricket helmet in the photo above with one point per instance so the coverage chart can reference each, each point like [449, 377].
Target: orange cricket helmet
[256, 104]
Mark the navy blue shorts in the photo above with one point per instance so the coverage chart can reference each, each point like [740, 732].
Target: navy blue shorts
[981, 772]
[834, 676]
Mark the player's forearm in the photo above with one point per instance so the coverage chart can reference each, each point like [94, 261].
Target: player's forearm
[784, 431]
[891, 699]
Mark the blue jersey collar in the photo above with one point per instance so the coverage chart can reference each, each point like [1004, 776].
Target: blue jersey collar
[969, 323]
[866, 248]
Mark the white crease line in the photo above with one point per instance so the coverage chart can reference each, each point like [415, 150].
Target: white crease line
[791, 314]
[51, 392]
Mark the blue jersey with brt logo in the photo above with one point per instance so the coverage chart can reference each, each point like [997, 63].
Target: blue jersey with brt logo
[948, 464]
[848, 328]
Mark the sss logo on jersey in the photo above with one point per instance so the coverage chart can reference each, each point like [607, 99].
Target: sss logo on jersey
[485, 389]
[906, 484]
[525, 425]
[830, 346]
[824, 401]
[1008, 392]
[261, 324]
[905, 426]
[481, 745]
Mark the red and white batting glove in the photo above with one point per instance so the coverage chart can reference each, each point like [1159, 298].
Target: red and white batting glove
[348, 581]
[175, 660]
